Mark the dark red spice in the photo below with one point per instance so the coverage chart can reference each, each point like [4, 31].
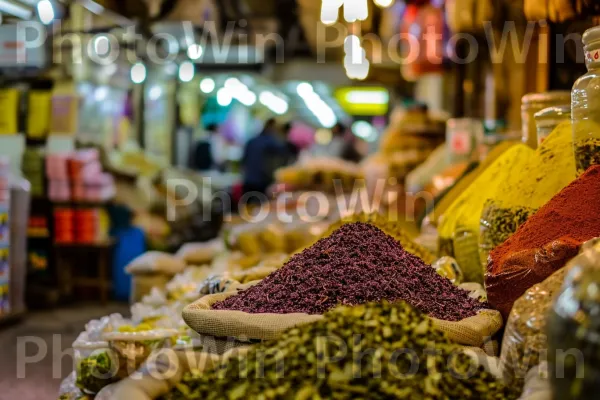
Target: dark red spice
[357, 264]
[545, 242]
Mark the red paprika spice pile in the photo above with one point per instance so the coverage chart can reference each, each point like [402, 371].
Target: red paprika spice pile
[545, 242]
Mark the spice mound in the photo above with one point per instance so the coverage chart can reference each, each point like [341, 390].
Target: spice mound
[545, 243]
[390, 228]
[373, 351]
[357, 264]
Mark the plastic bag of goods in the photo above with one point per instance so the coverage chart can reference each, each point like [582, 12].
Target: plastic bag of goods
[156, 262]
[574, 331]
[545, 243]
[525, 334]
[200, 253]
[537, 384]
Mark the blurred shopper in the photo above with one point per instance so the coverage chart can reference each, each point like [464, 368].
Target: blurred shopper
[203, 157]
[263, 155]
[343, 144]
[292, 148]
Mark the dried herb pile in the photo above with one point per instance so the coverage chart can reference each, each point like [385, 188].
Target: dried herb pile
[357, 264]
[391, 228]
[403, 356]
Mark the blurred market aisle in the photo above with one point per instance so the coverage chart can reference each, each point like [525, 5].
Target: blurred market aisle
[59, 327]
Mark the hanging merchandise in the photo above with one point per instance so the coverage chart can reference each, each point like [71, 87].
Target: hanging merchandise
[586, 105]
[550, 238]
[65, 112]
[426, 27]
[9, 111]
[38, 115]
[535, 102]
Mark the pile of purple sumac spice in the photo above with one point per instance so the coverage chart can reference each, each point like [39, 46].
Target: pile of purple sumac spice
[357, 264]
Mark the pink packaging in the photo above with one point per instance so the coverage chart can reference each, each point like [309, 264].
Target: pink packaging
[86, 156]
[56, 166]
[59, 190]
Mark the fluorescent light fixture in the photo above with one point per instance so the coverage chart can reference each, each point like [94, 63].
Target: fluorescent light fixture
[138, 73]
[207, 85]
[368, 97]
[45, 11]
[195, 51]
[15, 10]
[316, 105]
[224, 97]
[305, 89]
[186, 71]
[274, 103]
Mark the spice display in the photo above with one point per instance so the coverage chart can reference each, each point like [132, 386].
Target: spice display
[545, 242]
[461, 221]
[525, 334]
[376, 336]
[358, 263]
[526, 190]
[574, 331]
[391, 228]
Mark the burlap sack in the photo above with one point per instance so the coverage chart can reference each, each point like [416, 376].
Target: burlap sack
[237, 324]
[199, 316]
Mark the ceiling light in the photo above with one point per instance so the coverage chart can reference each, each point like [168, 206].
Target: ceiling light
[207, 85]
[384, 3]
[45, 11]
[186, 71]
[195, 51]
[138, 73]
[224, 97]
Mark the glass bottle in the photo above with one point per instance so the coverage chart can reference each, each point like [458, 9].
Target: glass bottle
[535, 102]
[548, 119]
[585, 106]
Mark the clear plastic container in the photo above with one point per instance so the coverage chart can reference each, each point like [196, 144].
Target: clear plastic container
[532, 104]
[585, 106]
[548, 119]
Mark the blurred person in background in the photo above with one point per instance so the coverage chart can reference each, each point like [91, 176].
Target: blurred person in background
[263, 155]
[292, 148]
[207, 153]
[347, 144]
